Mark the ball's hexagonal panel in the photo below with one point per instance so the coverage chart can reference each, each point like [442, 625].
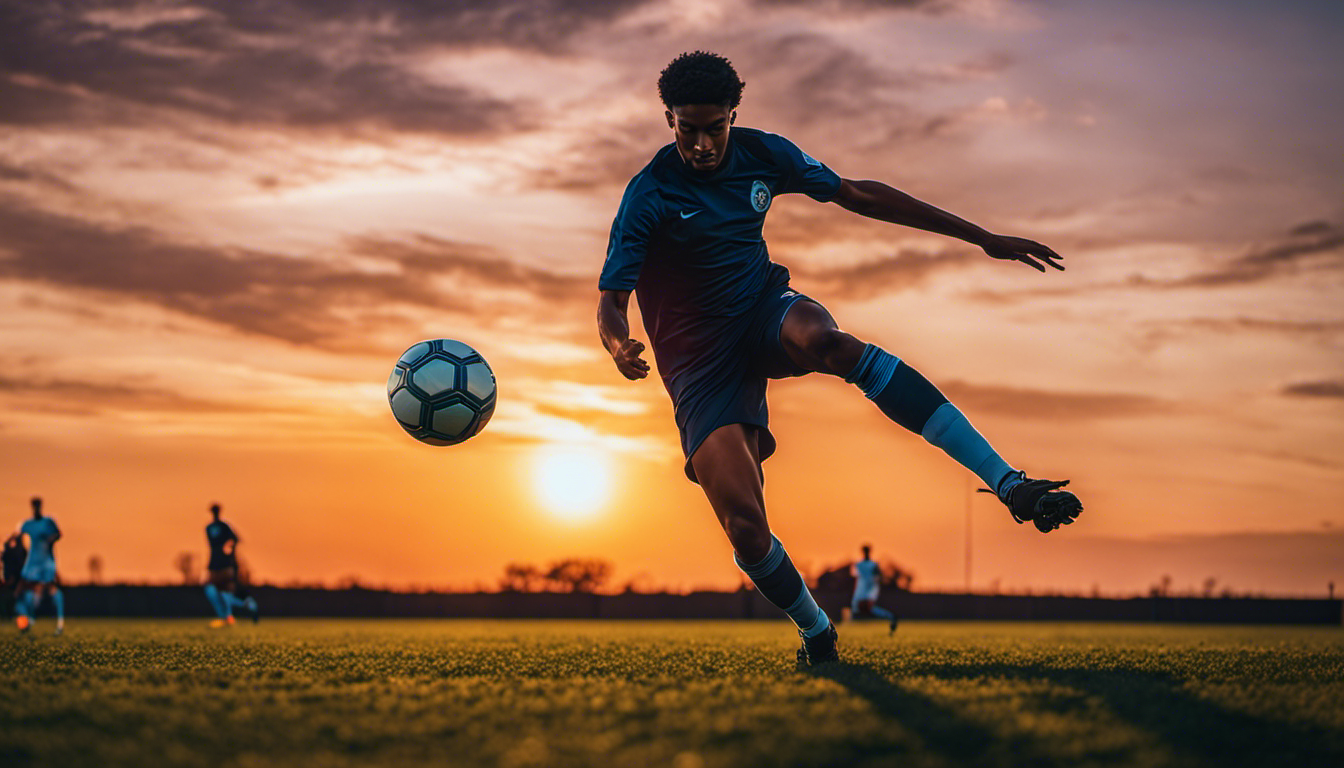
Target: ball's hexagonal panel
[406, 407]
[393, 381]
[451, 419]
[480, 381]
[456, 348]
[416, 352]
[435, 377]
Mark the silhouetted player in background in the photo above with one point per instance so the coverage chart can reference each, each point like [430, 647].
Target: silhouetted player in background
[722, 320]
[14, 556]
[222, 578]
[867, 586]
[38, 576]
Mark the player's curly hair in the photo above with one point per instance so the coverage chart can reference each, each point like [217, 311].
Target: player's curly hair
[700, 77]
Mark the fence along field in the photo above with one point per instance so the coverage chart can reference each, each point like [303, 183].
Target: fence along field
[673, 693]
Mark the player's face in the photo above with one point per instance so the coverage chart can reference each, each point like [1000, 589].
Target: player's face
[701, 132]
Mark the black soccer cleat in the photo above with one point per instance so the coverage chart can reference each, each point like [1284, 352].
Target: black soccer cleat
[891, 630]
[1041, 502]
[820, 649]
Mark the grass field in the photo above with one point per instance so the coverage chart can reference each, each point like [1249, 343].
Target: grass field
[680, 694]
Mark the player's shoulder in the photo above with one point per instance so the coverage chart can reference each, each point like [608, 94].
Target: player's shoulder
[658, 173]
[765, 147]
[647, 188]
[757, 139]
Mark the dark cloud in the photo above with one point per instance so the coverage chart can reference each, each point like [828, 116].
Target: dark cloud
[308, 63]
[1303, 244]
[91, 397]
[21, 173]
[906, 269]
[1309, 328]
[847, 95]
[303, 301]
[1050, 405]
[1327, 389]
[1309, 247]
[937, 7]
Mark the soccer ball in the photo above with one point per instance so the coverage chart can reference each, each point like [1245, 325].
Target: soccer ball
[441, 391]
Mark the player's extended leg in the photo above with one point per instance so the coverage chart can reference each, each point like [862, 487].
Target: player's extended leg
[248, 604]
[727, 465]
[214, 592]
[813, 341]
[58, 600]
[24, 606]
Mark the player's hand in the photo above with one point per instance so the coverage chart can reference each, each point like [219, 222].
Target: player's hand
[1021, 249]
[628, 361]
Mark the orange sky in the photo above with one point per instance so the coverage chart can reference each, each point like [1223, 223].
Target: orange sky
[220, 223]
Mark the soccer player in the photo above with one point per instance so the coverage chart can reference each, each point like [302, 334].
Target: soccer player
[867, 584]
[38, 576]
[722, 320]
[222, 578]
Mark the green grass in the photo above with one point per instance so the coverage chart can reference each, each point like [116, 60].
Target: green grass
[681, 694]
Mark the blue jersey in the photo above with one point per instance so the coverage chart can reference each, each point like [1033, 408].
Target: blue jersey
[219, 533]
[40, 533]
[868, 576]
[689, 243]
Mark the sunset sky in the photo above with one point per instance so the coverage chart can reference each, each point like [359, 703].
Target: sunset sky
[221, 222]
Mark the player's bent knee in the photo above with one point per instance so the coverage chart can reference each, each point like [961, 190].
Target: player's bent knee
[827, 349]
[749, 535]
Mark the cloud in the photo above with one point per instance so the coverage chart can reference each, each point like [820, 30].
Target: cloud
[1314, 246]
[324, 302]
[1051, 405]
[1325, 389]
[18, 173]
[905, 269]
[851, 7]
[304, 63]
[88, 397]
[1303, 245]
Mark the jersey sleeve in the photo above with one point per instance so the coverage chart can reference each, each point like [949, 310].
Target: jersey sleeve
[801, 172]
[628, 243]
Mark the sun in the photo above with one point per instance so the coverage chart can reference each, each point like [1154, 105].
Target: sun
[571, 482]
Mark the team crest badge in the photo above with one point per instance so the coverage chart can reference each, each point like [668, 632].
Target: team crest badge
[760, 196]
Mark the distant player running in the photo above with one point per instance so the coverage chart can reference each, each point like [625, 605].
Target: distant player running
[222, 579]
[867, 585]
[39, 571]
[722, 320]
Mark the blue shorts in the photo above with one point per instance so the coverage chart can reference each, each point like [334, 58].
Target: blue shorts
[39, 572]
[728, 383]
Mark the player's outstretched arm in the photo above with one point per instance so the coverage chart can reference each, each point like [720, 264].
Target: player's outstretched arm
[613, 325]
[884, 203]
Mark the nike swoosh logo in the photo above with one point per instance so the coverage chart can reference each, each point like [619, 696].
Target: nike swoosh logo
[686, 215]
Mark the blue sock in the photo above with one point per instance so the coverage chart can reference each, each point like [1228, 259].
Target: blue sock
[912, 401]
[882, 613]
[58, 600]
[216, 600]
[948, 429]
[781, 584]
[25, 604]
